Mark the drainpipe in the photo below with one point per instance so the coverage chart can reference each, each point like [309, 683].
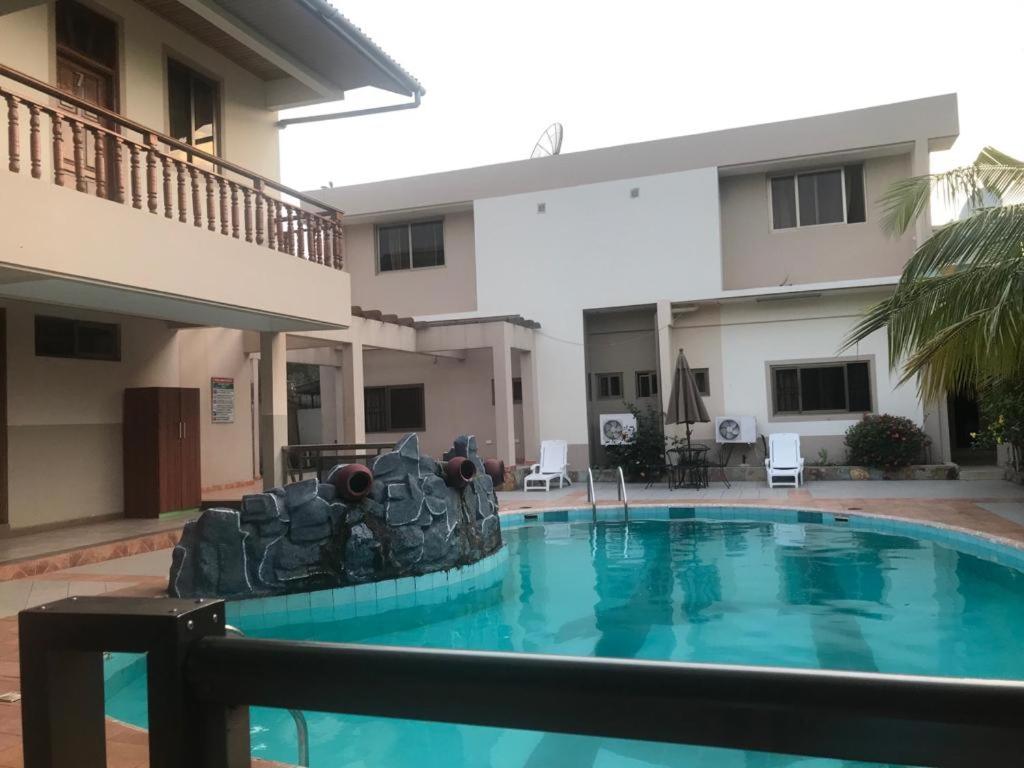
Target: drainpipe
[353, 113]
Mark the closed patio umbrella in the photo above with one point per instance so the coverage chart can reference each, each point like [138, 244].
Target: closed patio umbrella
[685, 405]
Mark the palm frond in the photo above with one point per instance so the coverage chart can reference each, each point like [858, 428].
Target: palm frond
[993, 174]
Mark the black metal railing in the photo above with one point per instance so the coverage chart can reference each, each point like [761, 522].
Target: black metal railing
[201, 685]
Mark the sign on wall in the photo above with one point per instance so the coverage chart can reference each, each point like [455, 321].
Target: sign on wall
[222, 400]
[617, 428]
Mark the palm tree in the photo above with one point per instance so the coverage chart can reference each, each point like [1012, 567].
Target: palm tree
[956, 318]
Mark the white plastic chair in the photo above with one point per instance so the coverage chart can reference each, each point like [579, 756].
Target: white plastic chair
[553, 465]
[784, 460]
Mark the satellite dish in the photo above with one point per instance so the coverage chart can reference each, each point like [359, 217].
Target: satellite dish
[549, 143]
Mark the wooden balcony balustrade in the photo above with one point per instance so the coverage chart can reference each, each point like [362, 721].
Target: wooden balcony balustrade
[117, 159]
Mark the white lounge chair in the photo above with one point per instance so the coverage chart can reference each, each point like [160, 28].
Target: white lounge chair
[784, 460]
[553, 465]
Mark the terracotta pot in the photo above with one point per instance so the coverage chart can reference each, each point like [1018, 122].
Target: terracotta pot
[459, 471]
[353, 481]
[495, 469]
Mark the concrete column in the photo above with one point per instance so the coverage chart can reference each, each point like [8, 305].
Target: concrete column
[666, 355]
[273, 406]
[353, 416]
[920, 166]
[504, 415]
[331, 398]
[531, 422]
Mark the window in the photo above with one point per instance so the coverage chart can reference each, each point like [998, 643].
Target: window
[410, 246]
[702, 380]
[646, 383]
[819, 197]
[394, 409]
[821, 388]
[609, 385]
[84, 339]
[517, 391]
[193, 103]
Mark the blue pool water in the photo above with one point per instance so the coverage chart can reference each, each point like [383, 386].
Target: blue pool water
[726, 591]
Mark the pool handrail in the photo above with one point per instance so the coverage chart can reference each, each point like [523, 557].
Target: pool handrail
[202, 683]
[622, 494]
[591, 494]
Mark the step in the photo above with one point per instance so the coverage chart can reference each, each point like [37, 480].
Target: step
[981, 473]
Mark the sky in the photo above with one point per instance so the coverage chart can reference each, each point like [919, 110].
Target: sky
[497, 73]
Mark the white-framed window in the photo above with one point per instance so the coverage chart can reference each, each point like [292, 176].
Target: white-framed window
[609, 386]
[646, 383]
[810, 198]
[831, 387]
[413, 245]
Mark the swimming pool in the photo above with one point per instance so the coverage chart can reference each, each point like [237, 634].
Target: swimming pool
[722, 585]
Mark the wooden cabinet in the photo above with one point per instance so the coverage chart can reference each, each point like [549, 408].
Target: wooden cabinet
[161, 450]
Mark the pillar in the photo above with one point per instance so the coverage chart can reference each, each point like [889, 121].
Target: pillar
[504, 415]
[353, 416]
[666, 360]
[531, 422]
[331, 398]
[273, 406]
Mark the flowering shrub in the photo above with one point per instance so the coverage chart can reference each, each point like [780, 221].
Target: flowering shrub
[885, 441]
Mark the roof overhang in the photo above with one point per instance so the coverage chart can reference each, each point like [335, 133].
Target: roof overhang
[305, 50]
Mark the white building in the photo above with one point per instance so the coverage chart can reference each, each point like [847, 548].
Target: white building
[753, 249]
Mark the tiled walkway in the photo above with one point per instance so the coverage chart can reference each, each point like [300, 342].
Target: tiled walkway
[992, 508]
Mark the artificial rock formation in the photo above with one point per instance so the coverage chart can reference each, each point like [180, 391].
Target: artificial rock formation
[305, 536]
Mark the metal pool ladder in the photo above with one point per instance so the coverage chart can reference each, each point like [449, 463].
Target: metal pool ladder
[301, 727]
[622, 494]
[591, 496]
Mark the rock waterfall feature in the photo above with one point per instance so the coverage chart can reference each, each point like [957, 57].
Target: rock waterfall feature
[418, 516]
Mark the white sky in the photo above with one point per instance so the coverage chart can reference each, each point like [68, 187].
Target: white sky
[497, 73]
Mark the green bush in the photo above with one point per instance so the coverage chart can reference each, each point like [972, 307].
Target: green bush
[1002, 418]
[885, 441]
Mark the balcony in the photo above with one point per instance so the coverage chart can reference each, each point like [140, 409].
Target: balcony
[109, 204]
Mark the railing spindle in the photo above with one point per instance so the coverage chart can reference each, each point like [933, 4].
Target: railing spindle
[259, 212]
[339, 243]
[182, 200]
[78, 144]
[234, 209]
[13, 153]
[34, 152]
[211, 204]
[151, 190]
[99, 161]
[223, 206]
[197, 204]
[247, 213]
[116, 179]
[57, 124]
[165, 162]
[271, 224]
[300, 235]
[136, 181]
[279, 227]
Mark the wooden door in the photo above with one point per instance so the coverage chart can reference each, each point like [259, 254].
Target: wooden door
[91, 83]
[169, 438]
[191, 465]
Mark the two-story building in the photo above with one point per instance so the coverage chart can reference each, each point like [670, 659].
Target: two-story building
[146, 241]
[755, 250]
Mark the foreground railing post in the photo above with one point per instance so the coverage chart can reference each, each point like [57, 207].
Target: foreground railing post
[62, 647]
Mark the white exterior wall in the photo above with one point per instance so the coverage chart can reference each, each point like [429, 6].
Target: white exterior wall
[595, 246]
[755, 334]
